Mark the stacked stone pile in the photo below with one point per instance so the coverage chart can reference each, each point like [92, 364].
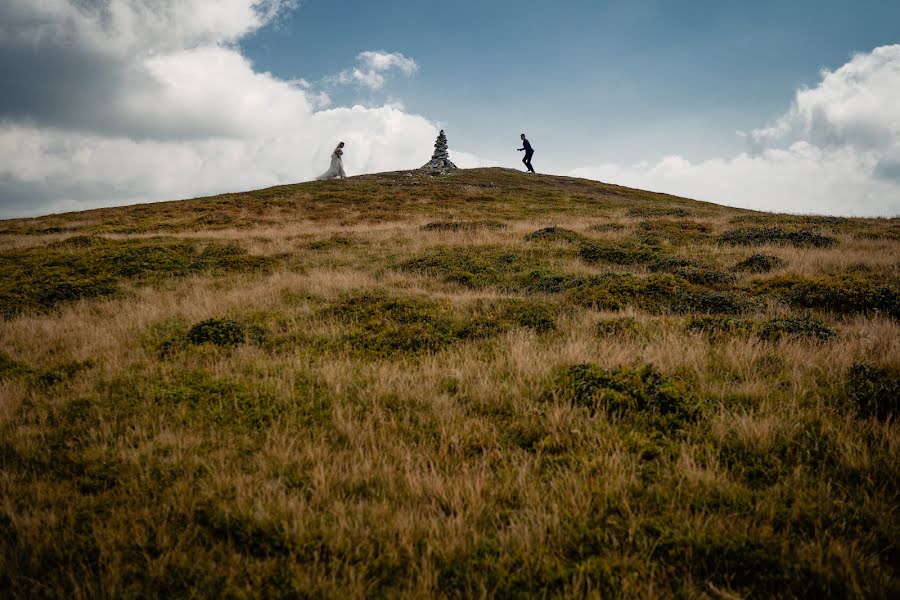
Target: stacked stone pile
[440, 161]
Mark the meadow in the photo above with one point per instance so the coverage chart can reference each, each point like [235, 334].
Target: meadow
[482, 385]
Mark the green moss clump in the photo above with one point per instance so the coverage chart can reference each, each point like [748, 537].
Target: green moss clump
[219, 332]
[874, 391]
[750, 236]
[760, 263]
[554, 234]
[625, 392]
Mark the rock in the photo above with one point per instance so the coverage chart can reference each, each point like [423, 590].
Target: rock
[440, 161]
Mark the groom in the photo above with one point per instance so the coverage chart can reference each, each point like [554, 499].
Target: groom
[529, 152]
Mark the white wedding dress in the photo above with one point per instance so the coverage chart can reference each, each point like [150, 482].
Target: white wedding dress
[337, 166]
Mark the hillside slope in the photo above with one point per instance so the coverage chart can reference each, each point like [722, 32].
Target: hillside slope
[485, 384]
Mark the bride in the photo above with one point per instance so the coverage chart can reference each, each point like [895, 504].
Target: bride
[337, 165]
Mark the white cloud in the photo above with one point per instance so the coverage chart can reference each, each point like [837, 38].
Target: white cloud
[160, 105]
[836, 151]
[372, 69]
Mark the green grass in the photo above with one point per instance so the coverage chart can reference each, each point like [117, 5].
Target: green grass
[480, 385]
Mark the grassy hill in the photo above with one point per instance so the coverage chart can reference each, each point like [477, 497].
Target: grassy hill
[486, 384]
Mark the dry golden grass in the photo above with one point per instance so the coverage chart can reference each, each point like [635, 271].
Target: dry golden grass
[381, 429]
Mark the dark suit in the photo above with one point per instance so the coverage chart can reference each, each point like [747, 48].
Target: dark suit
[529, 152]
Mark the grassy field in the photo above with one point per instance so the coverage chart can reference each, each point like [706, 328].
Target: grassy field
[481, 385]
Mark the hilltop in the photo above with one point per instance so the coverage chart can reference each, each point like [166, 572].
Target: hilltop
[481, 384]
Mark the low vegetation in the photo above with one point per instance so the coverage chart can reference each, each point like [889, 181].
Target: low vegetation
[480, 385]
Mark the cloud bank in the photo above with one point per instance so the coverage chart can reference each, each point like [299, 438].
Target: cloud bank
[835, 151]
[123, 101]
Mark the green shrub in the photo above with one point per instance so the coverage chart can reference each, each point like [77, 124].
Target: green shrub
[773, 235]
[331, 243]
[874, 390]
[848, 294]
[760, 263]
[604, 227]
[642, 392]
[219, 332]
[615, 291]
[676, 232]
[474, 267]
[79, 241]
[625, 253]
[807, 326]
[657, 211]
[383, 325]
[621, 327]
[719, 326]
[463, 225]
[10, 368]
[554, 234]
[550, 282]
[693, 271]
[712, 302]
[794, 220]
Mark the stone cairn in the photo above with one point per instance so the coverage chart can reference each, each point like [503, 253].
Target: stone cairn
[440, 161]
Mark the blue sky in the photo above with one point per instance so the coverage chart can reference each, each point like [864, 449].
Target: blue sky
[610, 81]
[788, 106]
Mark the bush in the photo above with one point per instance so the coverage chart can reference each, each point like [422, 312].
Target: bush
[624, 327]
[474, 267]
[657, 211]
[751, 236]
[759, 263]
[848, 294]
[331, 243]
[807, 326]
[692, 271]
[727, 302]
[642, 391]
[554, 234]
[219, 332]
[874, 391]
[803, 327]
[463, 225]
[718, 326]
[676, 232]
[383, 325]
[627, 253]
[615, 291]
[549, 281]
[604, 227]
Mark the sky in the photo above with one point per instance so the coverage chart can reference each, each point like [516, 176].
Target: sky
[771, 105]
